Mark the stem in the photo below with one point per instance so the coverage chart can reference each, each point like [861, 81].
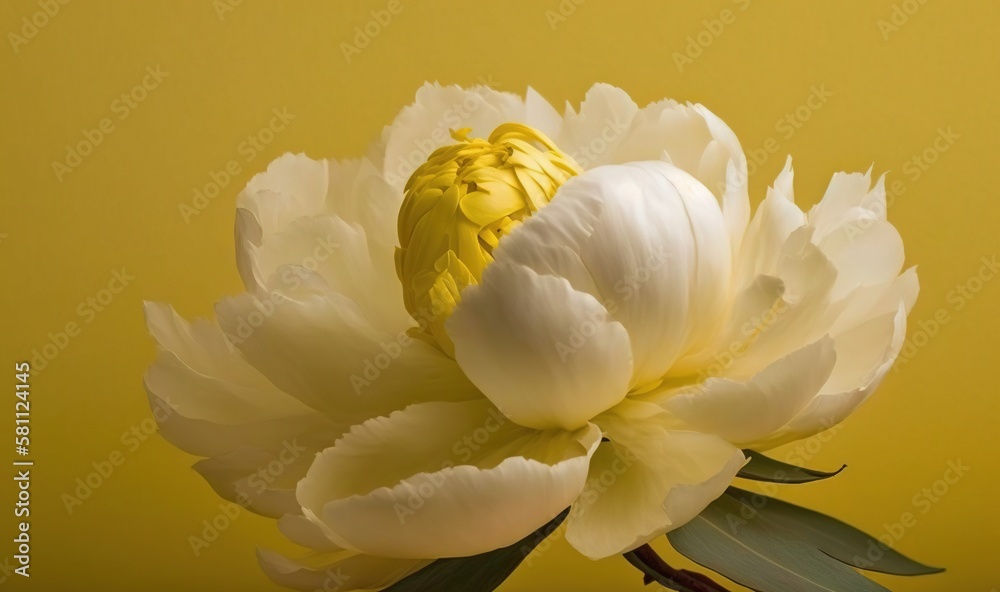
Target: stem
[656, 570]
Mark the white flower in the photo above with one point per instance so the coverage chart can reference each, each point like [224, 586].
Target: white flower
[619, 349]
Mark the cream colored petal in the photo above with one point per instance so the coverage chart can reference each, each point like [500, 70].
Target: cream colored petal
[845, 194]
[869, 352]
[425, 125]
[731, 171]
[444, 480]
[753, 310]
[341, 254]
[743, 412]
[198, 370]
[362, 197]
[208, 401]
[592, 135]
[688, 136]
[868, 302]
[319, 347]
[648, 480]
[293, 186]
[868, 252]
[657, 259]
[643, 239]
[302, 531]
[807, 310]
[263, 480]
[541, 115]
[547, 355]
[774, 221]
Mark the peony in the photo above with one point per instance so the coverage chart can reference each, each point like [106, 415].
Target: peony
[503, 312]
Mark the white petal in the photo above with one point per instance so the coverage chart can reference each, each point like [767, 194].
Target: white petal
[362, 197]
[341, 254]
[865, 253]
[846, 192]
[319, 347]
[199, 371]
[552, 242]
[805, 313]
[541, 115]
[648, 236]
[646, 481]
[545, 354]
[263, 480]
[862, 350]
[742, 412]
[424, 126]
[689, 136]
[754, 309]
[303, 531]
[208, 401]
[658, 256]
[775, 220]
[592, 135]
[868, 302]
[337, 218]
[857, 369]
[293, 186]
[340, 571]
[727, 177]
[444, 480]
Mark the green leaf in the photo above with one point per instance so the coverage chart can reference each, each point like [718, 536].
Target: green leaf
[763, 468]
[835, 538]
[478, 573]
[761, 555]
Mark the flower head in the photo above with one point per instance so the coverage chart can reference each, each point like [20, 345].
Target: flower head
[612, 351]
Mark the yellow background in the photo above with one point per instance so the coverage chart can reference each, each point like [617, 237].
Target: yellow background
[61, 240]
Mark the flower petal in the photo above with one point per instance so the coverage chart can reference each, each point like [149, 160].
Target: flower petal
[545, 354]
[648, 480]
[343, 256]
[319, 347]
[425, 125]
[743, 412]
[643, 239]
[302, 531]
[293, 186]
[657, 258]
[592, 135]
[868, 302]
[208, 401]
[806, 311]
[610, 129]
[444, 480]
[198, 370]
[867, 253]
[775, 220]
[869, 352]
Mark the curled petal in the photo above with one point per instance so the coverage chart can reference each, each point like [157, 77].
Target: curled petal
[444, 480]
[546, 355]
[648, 480]
[743, 412]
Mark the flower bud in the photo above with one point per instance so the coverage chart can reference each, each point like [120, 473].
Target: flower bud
[457, 207]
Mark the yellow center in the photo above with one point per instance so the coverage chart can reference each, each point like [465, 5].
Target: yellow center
[457, 207]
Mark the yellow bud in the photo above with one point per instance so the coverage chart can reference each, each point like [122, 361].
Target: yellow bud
[457, 207]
